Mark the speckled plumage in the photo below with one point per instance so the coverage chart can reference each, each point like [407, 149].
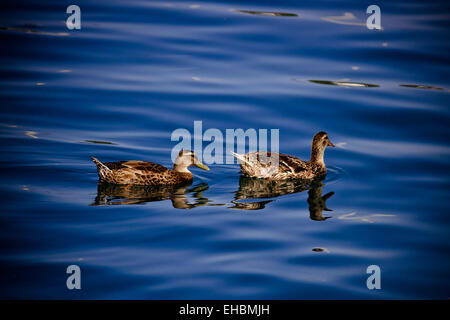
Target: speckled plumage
[264, 164]
[147, 173]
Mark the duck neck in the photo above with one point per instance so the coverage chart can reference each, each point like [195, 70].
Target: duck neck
[180, 168]
[317, 156]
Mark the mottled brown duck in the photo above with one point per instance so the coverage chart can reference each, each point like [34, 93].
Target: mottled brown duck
[263, 164]
[147, 173]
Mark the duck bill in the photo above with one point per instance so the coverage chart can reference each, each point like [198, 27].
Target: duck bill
[330, 144]
[202, 166]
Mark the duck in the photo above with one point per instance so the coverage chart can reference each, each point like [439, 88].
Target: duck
[258, 164]
[148, 173]
[317, 202]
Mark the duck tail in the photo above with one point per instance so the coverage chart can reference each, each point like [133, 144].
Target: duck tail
[100, 166]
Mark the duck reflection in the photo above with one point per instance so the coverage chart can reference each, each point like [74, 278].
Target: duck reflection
[113, 194]
[254, 188]
[316, 201]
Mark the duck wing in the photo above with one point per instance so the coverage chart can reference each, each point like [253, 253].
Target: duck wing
[260, 165]
[143, 166]
[291, 165]
[141, 172]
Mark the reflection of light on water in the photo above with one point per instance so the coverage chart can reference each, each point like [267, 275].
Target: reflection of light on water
[352, 216]
[334, 174]
[350, 84]
[31, 31]
[394, 149]
[9, 125]
[31, 134]
[348, 18]
[40, 83]
[65, 70]
[340, 144]
[166, 4]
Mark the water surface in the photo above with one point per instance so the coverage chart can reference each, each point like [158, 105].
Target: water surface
[137, 70]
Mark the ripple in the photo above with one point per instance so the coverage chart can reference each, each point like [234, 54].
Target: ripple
[334, 174]
[321, 250]
[395, 149]
[101, 142]
[34, 31]
[264, 13]
[371, 218]
[344, 83]
[419, 86]
[348, 19]
[31, 134]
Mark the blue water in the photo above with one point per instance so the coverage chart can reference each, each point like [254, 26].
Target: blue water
[137, 70]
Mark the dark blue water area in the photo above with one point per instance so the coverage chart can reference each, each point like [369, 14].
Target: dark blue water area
[138, 70]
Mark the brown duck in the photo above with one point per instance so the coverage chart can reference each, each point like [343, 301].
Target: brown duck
[147, 173]
[260, 164]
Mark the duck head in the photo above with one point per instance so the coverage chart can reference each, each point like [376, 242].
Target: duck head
[319, 144]
[186, 159]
